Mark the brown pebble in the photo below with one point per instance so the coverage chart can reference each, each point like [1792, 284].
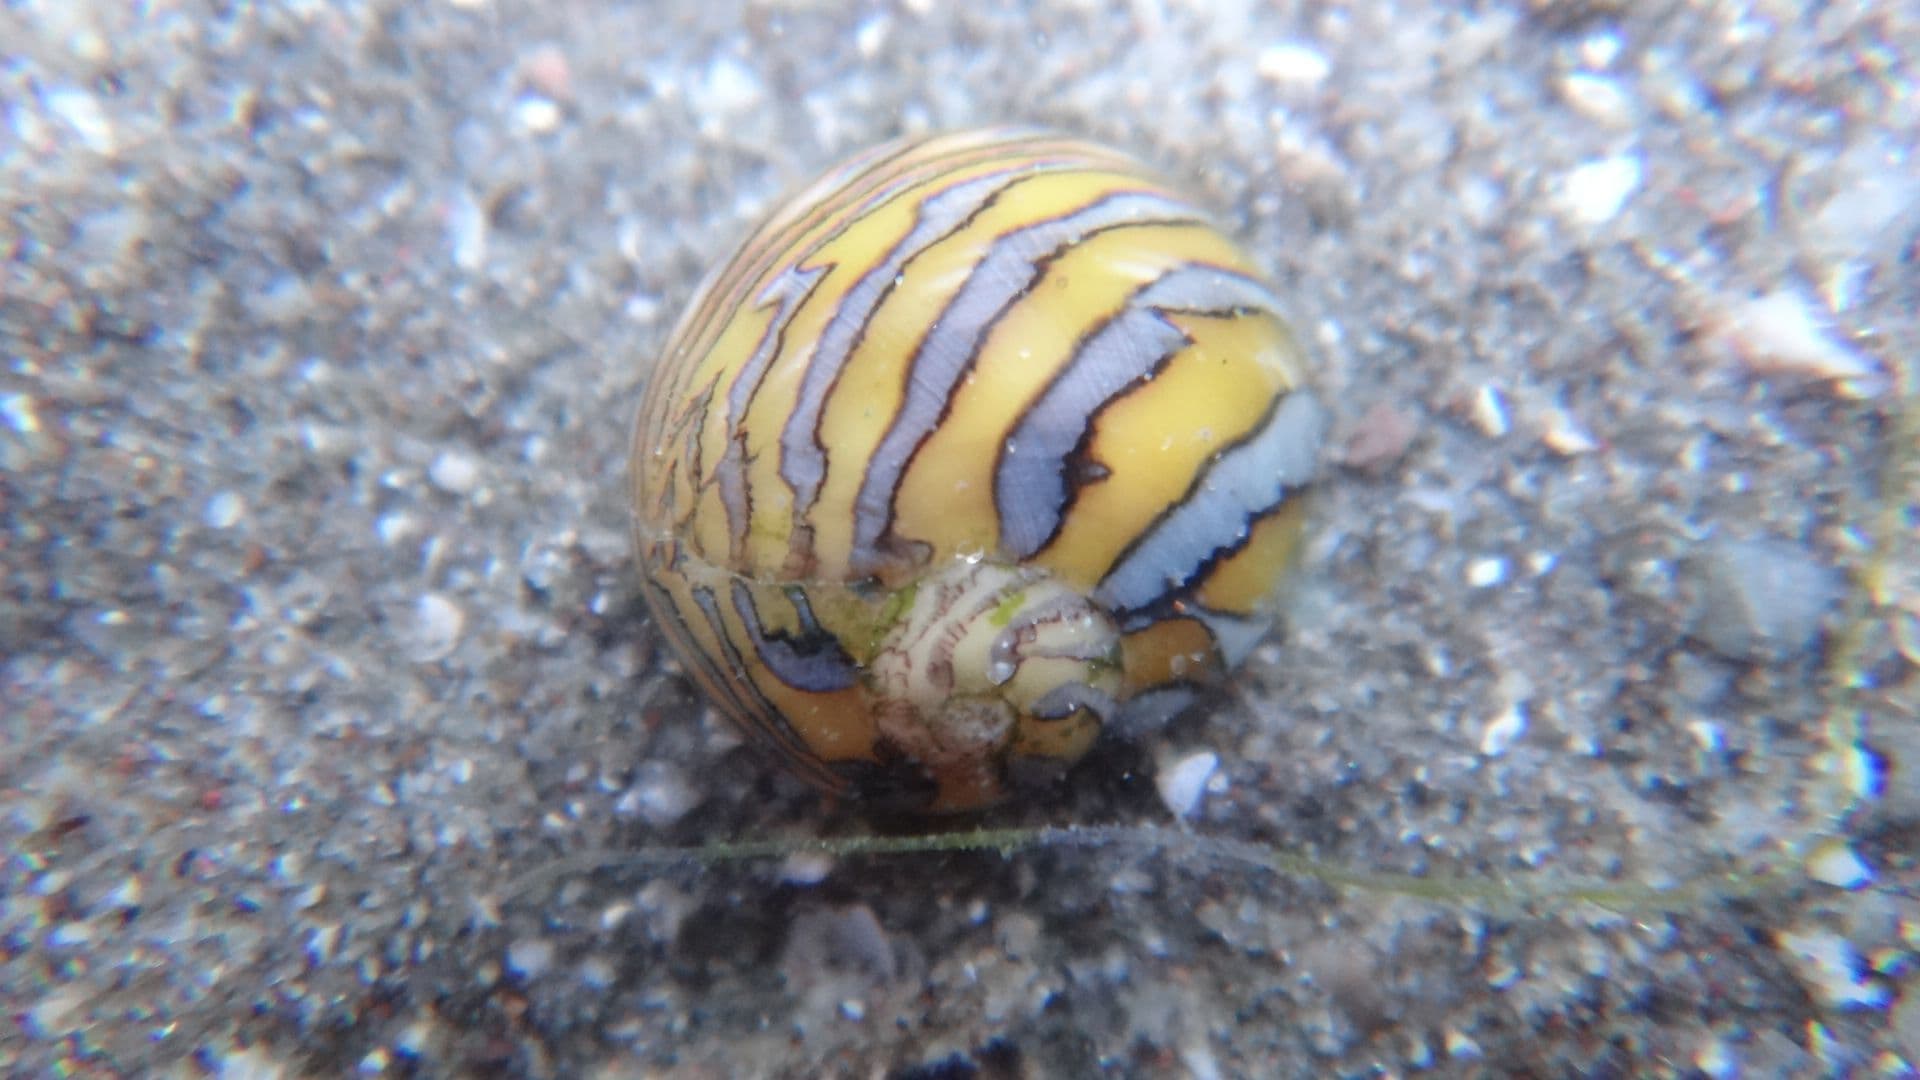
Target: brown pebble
[1380, 438]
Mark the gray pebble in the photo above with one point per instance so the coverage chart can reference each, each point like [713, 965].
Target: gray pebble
[1760, 600]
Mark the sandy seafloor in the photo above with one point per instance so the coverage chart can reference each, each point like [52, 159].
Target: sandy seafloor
[323, 324]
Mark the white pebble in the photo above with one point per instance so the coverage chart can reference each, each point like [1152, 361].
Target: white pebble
[437, 625]
[871, 36]
[596, 972]
[1598, 98]
[1293, 62]
[414, 1040]
[1830, 966]
[1858, 770]
[69, 934]
[1834, 863]
[1563, 435]
[81, 111]
[466, 230]
[1490, 411]
[1781, 332]
[125, 895]
[1706, 734]
[88, 45]
[282, 300]
[19, 413]
[530, 957]
[454, 473]
[395, 527]
[1717, 1060]
[615, 914]
[1482, 573]
[1199, 1060]
[1594, 193]
[806, 868]
[1599, 50]
[322, 940]
[223, 511]
[536, 115]
[1461, 1045]
[661, 794]
[1501, 731]
[1502, 973]
[730, 87]
[643, 309]
[1182, 782]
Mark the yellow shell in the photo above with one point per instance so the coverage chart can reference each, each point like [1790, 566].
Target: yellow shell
[978, 444]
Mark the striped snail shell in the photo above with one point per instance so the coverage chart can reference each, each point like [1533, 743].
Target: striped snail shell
[978, 444]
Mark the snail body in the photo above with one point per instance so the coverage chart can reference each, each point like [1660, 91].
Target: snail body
[977, 445]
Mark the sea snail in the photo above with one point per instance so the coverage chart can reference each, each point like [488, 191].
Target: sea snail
[977, 445]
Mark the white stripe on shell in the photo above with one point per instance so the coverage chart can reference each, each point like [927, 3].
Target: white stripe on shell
[1244, 482]
[802, 460]
[1030, 486]
[1010, 269]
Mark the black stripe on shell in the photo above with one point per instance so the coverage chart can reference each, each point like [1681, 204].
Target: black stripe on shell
[752, 707]
[811, 660]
